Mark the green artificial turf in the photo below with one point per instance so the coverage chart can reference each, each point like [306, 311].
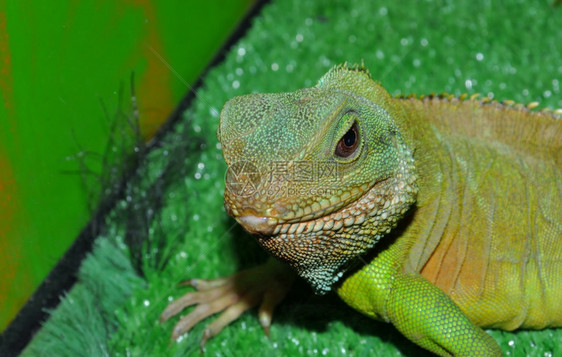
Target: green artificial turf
[172, 217]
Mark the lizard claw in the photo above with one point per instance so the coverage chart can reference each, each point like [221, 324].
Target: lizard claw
[232, 296]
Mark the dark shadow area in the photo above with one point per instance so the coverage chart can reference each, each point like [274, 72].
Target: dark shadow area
[303, 308]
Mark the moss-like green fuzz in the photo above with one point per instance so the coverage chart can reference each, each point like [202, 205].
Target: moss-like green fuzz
[508, 50]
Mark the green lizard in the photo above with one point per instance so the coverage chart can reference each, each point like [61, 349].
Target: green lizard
[440, 215]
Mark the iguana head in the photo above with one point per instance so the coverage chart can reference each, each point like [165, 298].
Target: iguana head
[319, 174]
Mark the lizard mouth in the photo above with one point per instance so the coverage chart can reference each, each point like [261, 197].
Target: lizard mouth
[264, 225]
[332, 217]
[257, 224]
[321, 220]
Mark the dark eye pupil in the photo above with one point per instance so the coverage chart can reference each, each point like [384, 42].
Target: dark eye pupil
[349, 138]
[348, 143]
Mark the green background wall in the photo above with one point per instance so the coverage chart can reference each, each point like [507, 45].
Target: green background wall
[58, 60]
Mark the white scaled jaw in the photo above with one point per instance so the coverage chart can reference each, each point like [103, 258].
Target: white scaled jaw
[257, 224]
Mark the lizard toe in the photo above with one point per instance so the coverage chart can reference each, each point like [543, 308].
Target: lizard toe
[266, 285]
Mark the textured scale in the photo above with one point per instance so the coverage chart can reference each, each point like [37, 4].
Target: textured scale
[496, 212]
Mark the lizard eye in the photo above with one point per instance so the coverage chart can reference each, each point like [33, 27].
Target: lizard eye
[348, 143]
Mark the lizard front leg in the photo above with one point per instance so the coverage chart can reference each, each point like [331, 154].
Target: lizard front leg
[418, 309]
[428, 317]
[265, 284]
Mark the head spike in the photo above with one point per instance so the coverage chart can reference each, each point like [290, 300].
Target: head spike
[508, 102]
[532, 105]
